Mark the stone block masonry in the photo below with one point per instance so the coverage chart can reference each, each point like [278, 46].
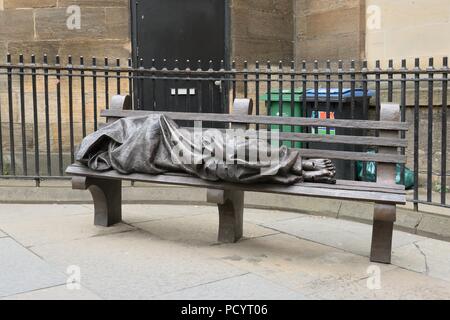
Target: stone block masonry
[40, 27]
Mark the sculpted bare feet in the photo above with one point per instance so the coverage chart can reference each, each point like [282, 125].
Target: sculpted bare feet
[317, 164]
[319, 170]
[322, 176]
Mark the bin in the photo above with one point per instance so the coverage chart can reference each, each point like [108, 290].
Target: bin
[345, 169]
[273, 109]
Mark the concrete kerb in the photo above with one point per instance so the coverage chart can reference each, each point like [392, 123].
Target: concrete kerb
[430, 224]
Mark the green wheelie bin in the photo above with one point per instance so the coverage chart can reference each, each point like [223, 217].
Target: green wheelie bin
[273, 109]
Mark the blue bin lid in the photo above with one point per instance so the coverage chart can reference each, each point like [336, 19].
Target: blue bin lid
[334, 92]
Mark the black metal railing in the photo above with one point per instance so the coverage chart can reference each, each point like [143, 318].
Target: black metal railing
[47, 107]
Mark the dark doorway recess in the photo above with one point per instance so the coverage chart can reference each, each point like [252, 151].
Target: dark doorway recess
[164, 31]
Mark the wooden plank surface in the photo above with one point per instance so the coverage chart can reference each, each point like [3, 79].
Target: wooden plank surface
[299, 121]
[348, 155]
[334, 139]
[323, 191]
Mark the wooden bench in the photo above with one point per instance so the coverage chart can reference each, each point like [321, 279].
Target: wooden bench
[105, 187]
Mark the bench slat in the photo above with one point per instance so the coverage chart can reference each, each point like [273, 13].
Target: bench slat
[322, 191]
[335, 139]
[349, 155]
[343, 139]
[230, 118]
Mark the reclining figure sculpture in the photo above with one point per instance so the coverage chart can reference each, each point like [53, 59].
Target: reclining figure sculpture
[155, 144]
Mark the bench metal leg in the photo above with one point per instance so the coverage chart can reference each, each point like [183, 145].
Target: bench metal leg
[383, 226]
[107, 196]
[231, 213]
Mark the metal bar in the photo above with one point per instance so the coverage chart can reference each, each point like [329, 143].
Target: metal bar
[269, 96]
[245, 79]
[130, 80]
[70, 84]
[416, 131]
[403, 116]
[365, 107]
[1, 140]
[390, 80]
[257, 84]
[305, 113]
[94, 91]
[176, 87]
[328, 87]
[352, 108]
[35, 119]
[118, 76]
[233, 68]
[340, 85]
[293, 93]
[58, 107]
[106, 77]
[377, 89]
[11, 116]
[83, 99]
[164, 83]
[316, 85]
[316, 91]
[444, 132]
[280, 95]
[217, 73]
[47, 118]
[199, 89]
[257, 90]
[22, 116]
[153, 90]
[430, 135]
[187, 104]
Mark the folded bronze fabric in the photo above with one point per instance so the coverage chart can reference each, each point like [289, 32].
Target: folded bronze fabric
[155, 144]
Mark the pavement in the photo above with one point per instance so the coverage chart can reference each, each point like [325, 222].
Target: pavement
[53, 251]
[429, 221]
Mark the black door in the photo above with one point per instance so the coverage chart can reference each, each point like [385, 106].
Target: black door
[194, 30]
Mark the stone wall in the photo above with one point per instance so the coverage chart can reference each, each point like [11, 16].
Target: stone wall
[405, 29]
[261, 30]
[326, 29]
[39, 26]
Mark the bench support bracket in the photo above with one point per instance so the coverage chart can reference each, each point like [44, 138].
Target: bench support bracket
[383, 226]
[107, 196]
[231, 213]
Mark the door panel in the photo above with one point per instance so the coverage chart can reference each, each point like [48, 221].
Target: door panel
[180, 30]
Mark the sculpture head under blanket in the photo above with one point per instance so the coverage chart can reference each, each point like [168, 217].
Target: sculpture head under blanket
[155, 144]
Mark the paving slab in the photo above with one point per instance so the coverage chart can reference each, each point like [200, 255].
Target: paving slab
[42, 224]
[245, 287]
[397, 284]
[13, 212]
[135, 213]
[135, 265]
[199, 229]
[55, 293]
[346, 235]
[259, 216]
[429, 256]
[298, 264]
[23, 271]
